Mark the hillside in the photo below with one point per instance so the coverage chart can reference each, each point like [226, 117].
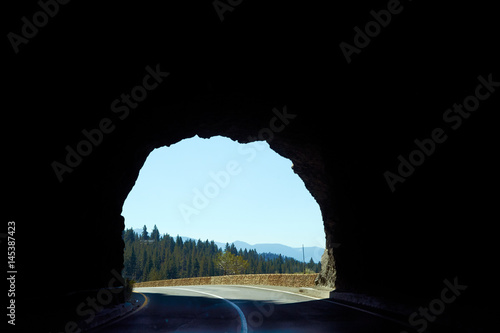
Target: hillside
[314, 252]
[164, 257]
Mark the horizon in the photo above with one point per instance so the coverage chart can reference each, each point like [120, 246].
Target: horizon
[311, 252]
[162, 234]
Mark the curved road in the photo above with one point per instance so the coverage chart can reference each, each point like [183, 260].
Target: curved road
[244, 309]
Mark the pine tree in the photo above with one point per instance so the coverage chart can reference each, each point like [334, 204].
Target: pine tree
[172, 270]
[131, 266]
[129, 236]
[311, 264]
[234, 251]
[153, 275]
[145, 233]
[169, 258]
[196, 268]
[203, 267]
[155, 234]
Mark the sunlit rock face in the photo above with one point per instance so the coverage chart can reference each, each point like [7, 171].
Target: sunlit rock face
[346, 124]
[327, 275]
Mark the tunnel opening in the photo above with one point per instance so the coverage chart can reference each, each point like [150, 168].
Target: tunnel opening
[216, 195]
[96, 192]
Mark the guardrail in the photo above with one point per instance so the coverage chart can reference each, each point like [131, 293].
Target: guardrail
[284, 280]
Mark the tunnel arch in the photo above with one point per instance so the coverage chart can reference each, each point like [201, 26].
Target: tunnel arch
[238, 123]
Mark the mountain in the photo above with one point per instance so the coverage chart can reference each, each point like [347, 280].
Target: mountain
[313, 252]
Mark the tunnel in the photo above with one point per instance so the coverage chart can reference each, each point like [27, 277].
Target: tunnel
[403, 181]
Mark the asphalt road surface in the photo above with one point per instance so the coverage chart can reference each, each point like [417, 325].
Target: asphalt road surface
[244, 309]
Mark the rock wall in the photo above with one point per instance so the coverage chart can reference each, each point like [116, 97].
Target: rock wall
[328, 274]
[284, 280]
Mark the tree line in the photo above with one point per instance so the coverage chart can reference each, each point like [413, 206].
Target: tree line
[149, 257]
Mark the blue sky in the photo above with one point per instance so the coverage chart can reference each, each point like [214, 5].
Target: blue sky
[218, 189]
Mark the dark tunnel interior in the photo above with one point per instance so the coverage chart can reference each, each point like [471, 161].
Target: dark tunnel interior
[393, 136]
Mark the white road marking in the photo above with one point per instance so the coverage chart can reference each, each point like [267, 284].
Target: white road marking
[315, 298]
[336, 303]
[244, 327]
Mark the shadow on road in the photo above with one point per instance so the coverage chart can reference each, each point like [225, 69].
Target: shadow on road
[166, 313]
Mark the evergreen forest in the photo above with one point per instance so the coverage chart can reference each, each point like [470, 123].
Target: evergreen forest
[150, 256]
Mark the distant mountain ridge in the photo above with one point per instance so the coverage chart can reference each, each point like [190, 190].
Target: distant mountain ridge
[314, 252]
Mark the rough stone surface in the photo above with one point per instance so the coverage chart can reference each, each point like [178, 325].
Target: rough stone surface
[284, 280]
[328, 274]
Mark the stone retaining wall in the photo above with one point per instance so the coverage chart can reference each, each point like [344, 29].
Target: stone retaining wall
[284, 280]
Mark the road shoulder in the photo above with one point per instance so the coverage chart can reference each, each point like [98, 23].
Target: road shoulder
[116, 313]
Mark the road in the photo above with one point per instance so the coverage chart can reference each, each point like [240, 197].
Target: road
[243, 309]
